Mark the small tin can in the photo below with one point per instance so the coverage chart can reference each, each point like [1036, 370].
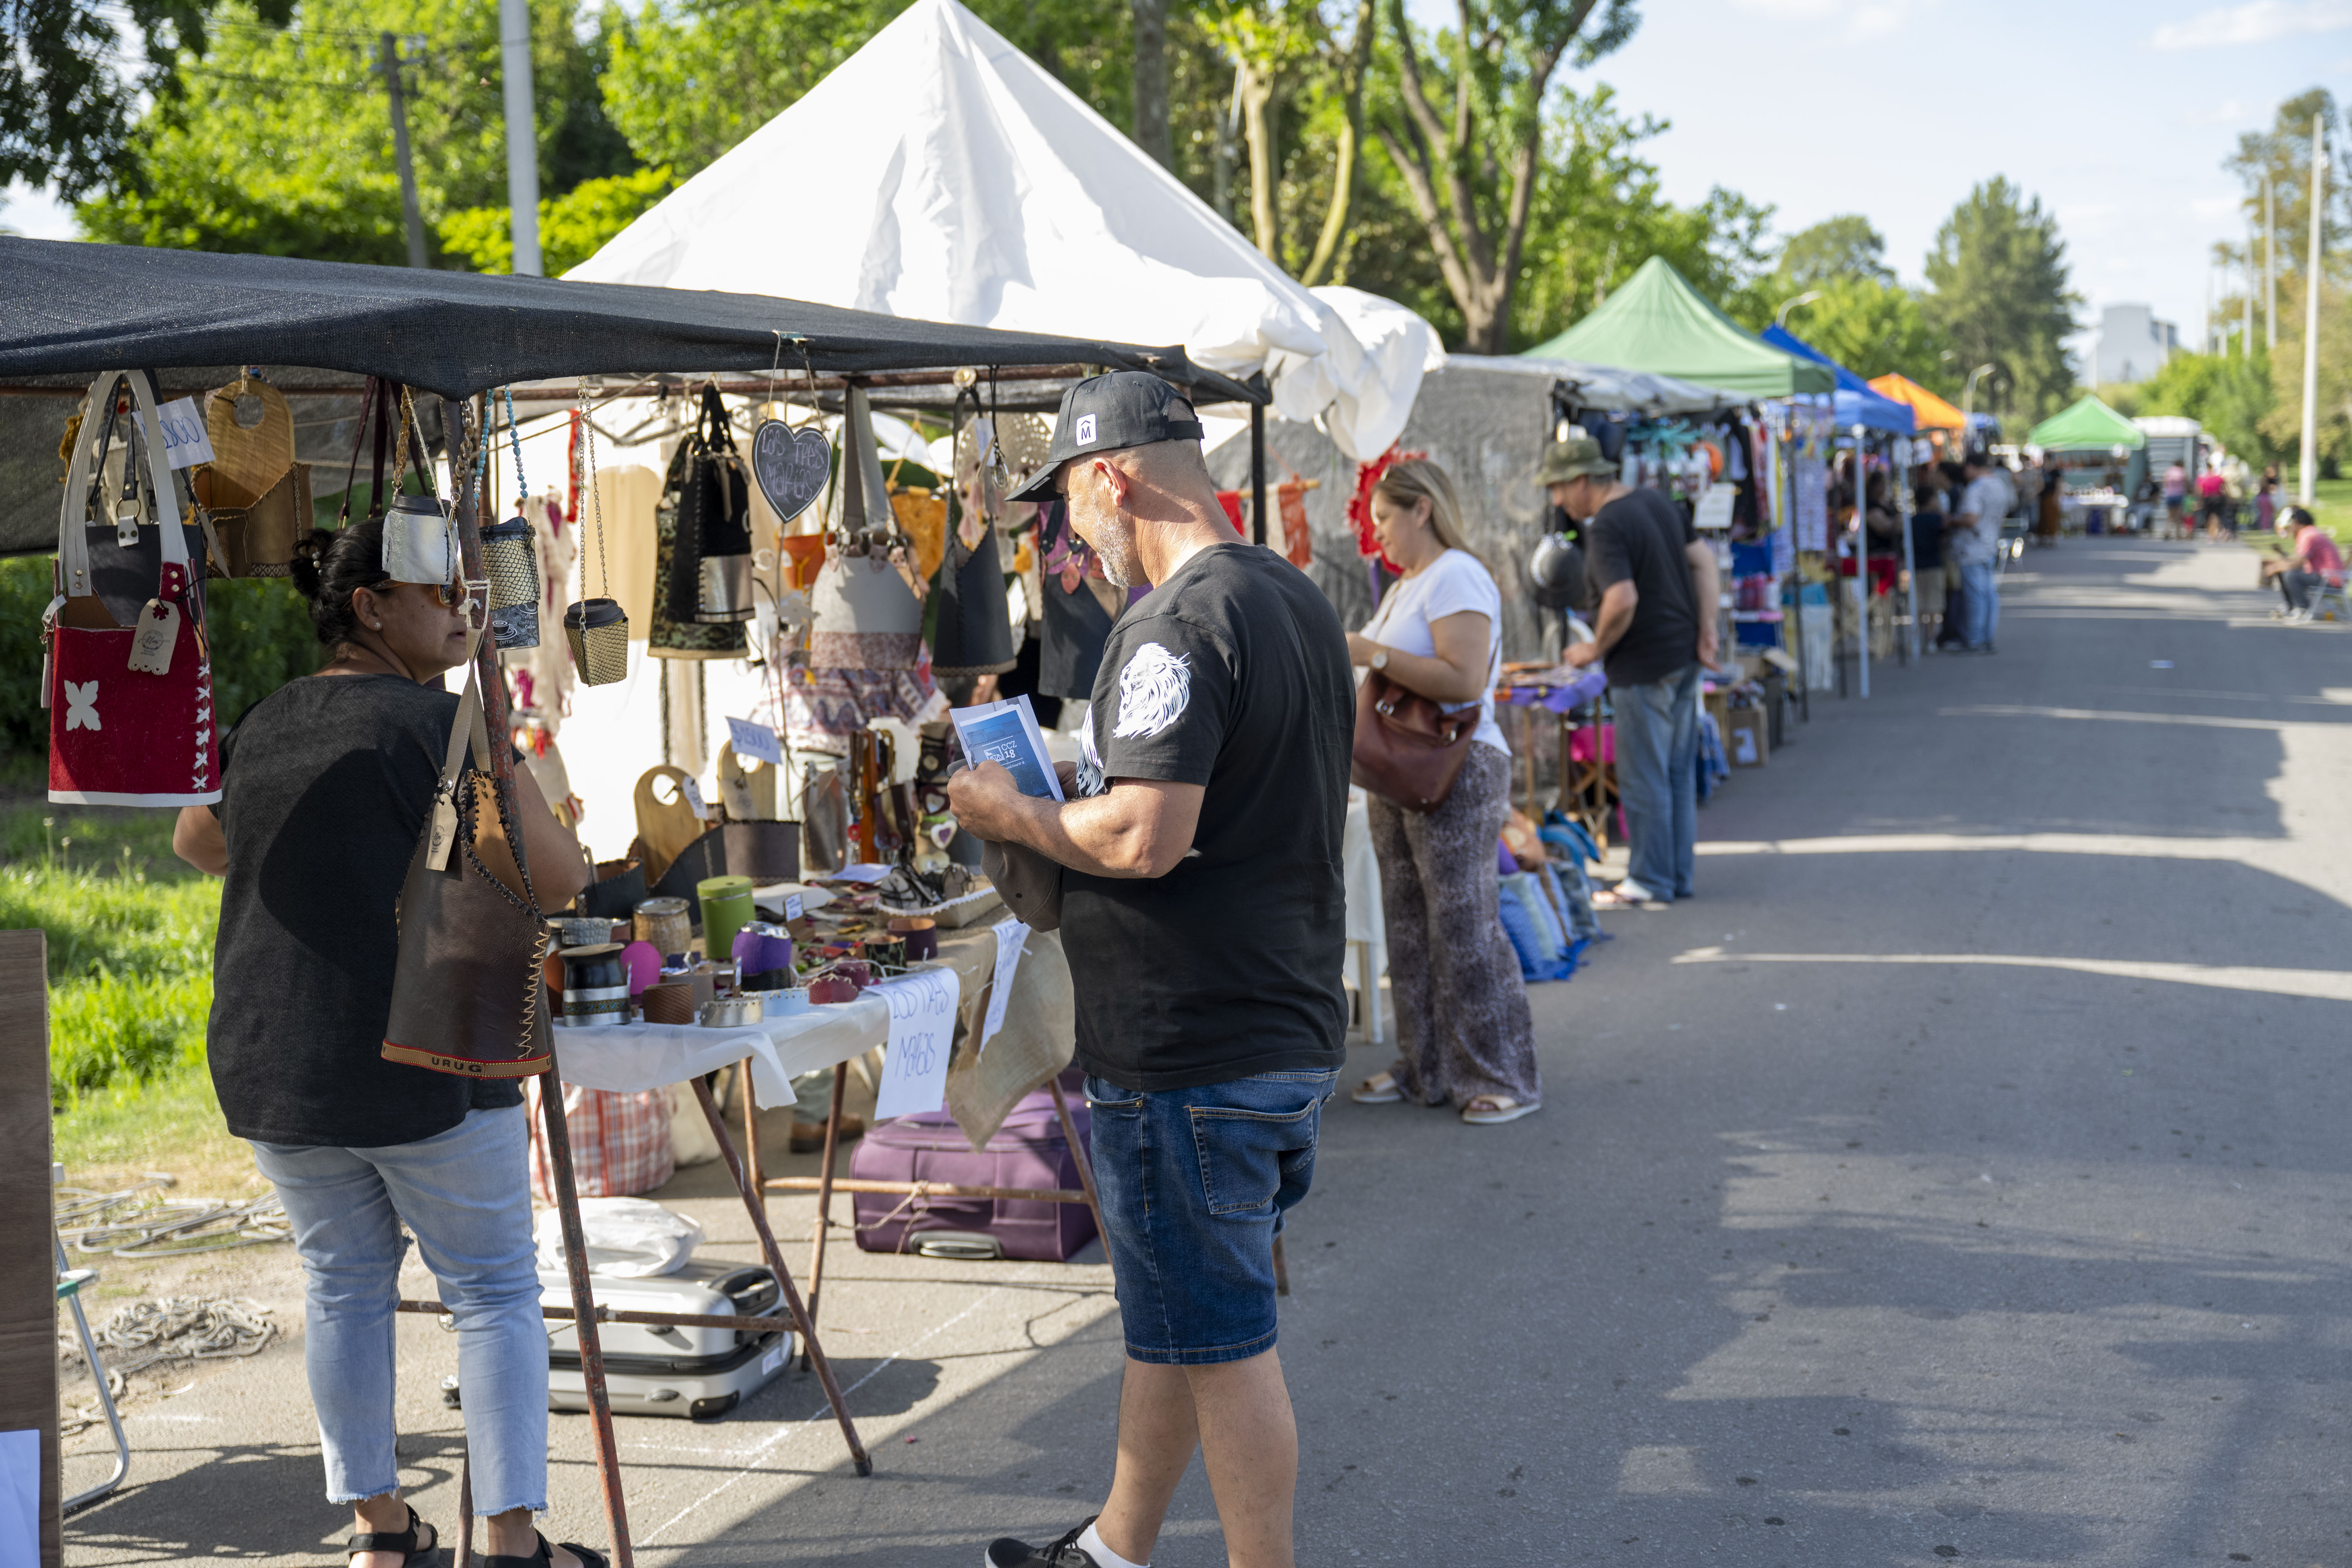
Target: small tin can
[595, 986]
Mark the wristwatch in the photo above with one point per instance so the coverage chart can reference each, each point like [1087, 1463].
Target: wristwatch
[1381, 658]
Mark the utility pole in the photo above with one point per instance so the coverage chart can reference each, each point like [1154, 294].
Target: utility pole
[1150, 81]
[522, 135]
[411, 216]
[2246, 330]
[2270, 267]
[2306, 481]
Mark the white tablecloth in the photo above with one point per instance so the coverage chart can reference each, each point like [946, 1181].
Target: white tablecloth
[633, 1058]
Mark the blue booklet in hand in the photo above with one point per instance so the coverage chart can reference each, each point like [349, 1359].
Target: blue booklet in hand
[1006, 734]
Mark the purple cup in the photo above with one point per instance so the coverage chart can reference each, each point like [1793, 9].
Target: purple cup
[645, 966]
[761, 947]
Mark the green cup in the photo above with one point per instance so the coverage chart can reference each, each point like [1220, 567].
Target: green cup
[726, 909]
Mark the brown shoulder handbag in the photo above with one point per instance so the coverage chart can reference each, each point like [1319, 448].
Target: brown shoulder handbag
[1409, 750]
[467, 995]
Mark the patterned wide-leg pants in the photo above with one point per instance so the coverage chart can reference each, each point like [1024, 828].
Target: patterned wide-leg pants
[1462, 1009]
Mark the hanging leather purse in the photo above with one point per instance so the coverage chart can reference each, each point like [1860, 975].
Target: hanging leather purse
[696, 501]
[866, 617]
[256, 496]
[466, 996]
[1408, 749]
[130, 707]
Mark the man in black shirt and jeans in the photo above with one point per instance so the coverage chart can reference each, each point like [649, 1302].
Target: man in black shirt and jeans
[1204, 914]
[1654, 629]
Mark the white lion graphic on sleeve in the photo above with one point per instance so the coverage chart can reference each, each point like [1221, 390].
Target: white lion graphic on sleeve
[1153, 690]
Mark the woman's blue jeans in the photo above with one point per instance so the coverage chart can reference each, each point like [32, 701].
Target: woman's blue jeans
[466, 1195]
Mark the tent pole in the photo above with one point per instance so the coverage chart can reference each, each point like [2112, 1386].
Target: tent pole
[1258, 473]
[1910, 563]
[1862, 558]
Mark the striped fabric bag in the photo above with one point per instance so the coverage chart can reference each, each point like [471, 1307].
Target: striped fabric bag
[620, 1143]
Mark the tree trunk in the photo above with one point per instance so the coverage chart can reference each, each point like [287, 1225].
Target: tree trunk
[1351, 133]
[1257, 127]
[1151, 80]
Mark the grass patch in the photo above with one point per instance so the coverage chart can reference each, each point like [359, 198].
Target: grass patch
[130, 951]
[172, 1123]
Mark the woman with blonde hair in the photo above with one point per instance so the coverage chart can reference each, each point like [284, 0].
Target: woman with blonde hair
[1462, 1026]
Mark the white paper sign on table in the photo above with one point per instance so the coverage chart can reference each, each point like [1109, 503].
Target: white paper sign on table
[1010, 936]
[922, 1027]
[185, 441]
[755, 740]
[20, 1499]
[858, 872]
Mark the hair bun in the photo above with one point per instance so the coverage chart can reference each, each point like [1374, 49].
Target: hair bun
[304, 566]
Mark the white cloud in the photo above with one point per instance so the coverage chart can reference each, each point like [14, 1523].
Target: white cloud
[2255, 22]
[1863, 18]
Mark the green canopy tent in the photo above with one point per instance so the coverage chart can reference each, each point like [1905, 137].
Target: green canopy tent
[1659, 323]
[2089, 426]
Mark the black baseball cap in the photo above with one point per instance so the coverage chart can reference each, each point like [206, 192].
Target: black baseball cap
[1109, 414]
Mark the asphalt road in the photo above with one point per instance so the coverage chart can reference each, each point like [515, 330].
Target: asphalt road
[1962, 1175]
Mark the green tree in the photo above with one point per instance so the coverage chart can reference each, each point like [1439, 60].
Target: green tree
[2281, 423]
[2280, 157]
[1999, 292]
[2229, 395]
[1834, 249]
[571, 227]
[690, 78]
[1872, 327]
[1468, 143]
[282, 144]
[68, 102]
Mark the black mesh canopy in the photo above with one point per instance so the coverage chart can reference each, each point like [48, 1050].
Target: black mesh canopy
[82, 308]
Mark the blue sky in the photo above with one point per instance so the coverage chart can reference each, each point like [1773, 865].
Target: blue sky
[2116, 114]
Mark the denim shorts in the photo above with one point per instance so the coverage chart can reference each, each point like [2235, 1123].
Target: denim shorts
[1195, 1183]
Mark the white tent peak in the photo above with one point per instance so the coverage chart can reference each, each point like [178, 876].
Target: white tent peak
[939, 174]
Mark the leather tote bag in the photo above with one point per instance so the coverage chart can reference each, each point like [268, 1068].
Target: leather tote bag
[696, 498]
[256, 495]
[130, 707]
[1409, 750]
[466, 993]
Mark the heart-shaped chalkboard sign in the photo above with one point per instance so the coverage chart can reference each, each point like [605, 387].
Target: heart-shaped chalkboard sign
[793, 464]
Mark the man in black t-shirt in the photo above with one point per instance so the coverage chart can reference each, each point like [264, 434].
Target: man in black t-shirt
[1654, 629]
[1204, 914]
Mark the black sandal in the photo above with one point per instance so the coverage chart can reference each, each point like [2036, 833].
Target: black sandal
[542, 1558]
[401, 1540]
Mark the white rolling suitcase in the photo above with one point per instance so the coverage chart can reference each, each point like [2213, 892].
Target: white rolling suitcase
[649, 1370]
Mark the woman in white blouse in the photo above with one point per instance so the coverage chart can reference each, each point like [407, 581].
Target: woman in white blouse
[1465, 1034]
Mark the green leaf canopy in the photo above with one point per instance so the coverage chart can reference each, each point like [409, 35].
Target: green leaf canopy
[1658, 322]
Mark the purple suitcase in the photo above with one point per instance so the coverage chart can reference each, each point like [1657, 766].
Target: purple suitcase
[1028, 1150]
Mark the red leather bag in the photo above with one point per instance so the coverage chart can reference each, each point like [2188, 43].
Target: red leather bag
[1409, 750]
[130, 707]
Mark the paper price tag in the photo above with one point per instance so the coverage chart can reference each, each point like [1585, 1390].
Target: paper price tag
[445, 830]
[693, 793]
[792, 906]
[755, 740]
[186, 442]
[1012, 936]
[152, 638]
[922, 1028]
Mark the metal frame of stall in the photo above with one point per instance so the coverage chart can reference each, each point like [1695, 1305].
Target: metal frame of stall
[470, 505]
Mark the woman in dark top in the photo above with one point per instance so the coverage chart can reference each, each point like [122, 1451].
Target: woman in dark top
[325, 787]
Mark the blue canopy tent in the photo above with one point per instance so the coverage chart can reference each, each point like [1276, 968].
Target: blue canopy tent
[1855, 401]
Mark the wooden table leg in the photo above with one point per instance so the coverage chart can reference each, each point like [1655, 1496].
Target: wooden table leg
[752, 1127]
[775, 1259]
[462, 1554]
[824, 1196]
[583, 1306]
[1079, 1157]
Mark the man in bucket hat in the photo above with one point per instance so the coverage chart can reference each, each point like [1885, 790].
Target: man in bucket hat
[1653, 629]
[1204, 914]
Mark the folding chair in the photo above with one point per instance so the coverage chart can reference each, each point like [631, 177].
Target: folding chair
[2331, 593]
[70, 1284]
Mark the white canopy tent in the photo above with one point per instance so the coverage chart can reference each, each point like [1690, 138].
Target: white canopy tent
[939, 174]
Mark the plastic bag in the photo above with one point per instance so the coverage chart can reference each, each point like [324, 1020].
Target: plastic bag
[629, 1238]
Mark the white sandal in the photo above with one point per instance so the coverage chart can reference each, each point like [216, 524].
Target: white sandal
[1505, 1109]
[1381, 1089]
